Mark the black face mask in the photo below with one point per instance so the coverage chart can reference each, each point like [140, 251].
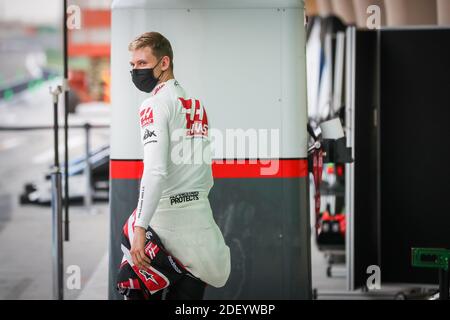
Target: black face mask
[144, 79]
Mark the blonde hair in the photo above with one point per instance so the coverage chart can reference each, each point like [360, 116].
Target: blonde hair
[157, 42]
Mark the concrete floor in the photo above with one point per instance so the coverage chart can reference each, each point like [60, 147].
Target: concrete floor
[25, 230]
[320, 280]
[25, 251]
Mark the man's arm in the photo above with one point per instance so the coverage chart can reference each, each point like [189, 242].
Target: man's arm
[155, 139]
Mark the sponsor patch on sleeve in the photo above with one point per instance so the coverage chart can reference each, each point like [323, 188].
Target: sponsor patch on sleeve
[149, 136]
[146, 117]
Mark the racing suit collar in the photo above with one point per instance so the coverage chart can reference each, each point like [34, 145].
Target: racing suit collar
[162, 85]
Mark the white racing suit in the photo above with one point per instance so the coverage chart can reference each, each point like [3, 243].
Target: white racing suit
[177, 177]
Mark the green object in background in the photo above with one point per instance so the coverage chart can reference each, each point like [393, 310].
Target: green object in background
[8, 94]
[34, 84]
[54, 60]
[430, 258]
[31, 85]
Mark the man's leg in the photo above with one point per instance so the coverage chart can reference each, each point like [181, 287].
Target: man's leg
[187, 288]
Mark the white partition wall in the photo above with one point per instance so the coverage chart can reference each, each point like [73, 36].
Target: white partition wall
[246, 61]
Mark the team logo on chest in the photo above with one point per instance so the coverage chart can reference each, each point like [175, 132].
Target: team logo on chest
[146, 116]
[196, 118]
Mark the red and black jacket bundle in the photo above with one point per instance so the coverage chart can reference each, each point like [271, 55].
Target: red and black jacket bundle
[164, 270]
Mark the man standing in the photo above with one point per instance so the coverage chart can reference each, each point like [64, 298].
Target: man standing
[173, 195]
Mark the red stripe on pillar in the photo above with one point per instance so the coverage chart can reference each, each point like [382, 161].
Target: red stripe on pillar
[126, 169]
[276, 168]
